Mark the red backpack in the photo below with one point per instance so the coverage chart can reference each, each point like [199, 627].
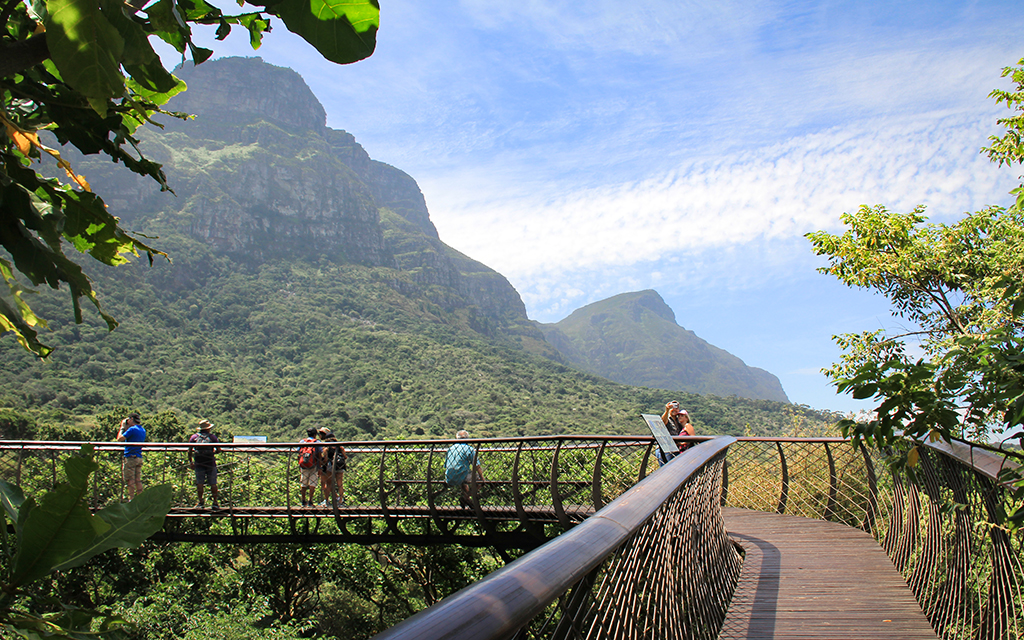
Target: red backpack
[307, 456]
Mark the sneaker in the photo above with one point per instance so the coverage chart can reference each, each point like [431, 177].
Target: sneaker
[216, 505]
[199, 505]
[323, 504]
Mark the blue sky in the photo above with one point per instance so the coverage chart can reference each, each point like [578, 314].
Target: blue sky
[589, 149]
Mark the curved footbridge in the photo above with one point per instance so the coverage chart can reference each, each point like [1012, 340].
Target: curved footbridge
[804, 578]
[737, 538]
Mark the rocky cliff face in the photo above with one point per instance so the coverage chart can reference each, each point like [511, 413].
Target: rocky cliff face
[258, 174]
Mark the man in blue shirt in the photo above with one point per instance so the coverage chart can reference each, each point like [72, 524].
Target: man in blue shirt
[131, 430]
[459, 460]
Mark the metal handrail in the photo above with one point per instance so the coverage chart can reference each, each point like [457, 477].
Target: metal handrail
[508, 599]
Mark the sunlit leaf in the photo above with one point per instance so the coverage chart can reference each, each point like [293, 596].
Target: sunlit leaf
[343, 31]
[86, 48]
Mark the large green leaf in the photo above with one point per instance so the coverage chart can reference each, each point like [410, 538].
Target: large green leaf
[86, 48]
[130, 524]
[137, 49]
[12, 497]
[58, 527]
[343, 31]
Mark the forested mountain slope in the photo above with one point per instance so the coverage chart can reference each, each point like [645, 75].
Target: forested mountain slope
[633, 338]
[309, 287]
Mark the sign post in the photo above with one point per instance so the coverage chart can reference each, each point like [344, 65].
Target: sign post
[661, 434]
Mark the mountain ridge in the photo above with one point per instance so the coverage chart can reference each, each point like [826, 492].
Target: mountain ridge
[633, 338]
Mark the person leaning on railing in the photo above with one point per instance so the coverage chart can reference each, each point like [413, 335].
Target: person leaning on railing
[332, 468]
[459, 460]
[677, 421]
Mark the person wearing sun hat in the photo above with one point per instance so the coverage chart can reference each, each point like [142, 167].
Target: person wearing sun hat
[204, 461]
[332, 468]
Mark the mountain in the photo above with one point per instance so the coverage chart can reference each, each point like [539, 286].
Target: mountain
[633, 338]
[308, 287]
[258, 176]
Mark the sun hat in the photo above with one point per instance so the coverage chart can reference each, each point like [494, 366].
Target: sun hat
[205, 425]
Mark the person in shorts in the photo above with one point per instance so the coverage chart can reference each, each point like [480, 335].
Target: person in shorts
[461, 466]
[132, 431]
[309, 468]
[332, 468]
[204, 461]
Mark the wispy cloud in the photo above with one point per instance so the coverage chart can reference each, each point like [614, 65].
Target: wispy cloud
[772, 194]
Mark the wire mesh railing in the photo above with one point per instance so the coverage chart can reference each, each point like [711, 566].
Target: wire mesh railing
[532, 488]
[655, 563]
[941, 523]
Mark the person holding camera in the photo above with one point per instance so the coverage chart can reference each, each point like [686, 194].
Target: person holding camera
[677, 421]
[131, 430]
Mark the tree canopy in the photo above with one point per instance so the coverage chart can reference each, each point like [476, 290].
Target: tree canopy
[85, 71]
[960, 286]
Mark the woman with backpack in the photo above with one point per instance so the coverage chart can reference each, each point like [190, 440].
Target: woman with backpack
[309, 467]
[333, 462]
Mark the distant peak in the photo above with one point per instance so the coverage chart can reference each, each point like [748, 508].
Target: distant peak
[653, 302]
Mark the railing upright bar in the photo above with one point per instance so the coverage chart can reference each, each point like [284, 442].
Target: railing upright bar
[871, 514]
[596, 495]
[784, 491]
[556, 494]
[833, 484]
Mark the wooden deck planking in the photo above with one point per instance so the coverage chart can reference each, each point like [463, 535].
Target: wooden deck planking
[810, 579]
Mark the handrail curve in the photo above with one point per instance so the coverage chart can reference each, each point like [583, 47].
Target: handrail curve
[507, 600]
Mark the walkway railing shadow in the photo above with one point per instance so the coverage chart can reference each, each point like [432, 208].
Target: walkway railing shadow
[942, 525]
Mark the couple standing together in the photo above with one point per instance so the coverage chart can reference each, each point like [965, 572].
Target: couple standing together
[320, 459]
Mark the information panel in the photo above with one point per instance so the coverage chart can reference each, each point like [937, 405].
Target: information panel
[251, 439]
[661, 434]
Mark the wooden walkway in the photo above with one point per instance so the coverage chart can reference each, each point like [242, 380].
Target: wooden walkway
[804, 578]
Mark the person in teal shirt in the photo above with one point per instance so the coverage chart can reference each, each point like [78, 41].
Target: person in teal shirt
[459, 460]
[131, 430]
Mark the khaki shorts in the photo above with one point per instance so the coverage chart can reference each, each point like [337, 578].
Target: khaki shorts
[309, 477]
[132, 470]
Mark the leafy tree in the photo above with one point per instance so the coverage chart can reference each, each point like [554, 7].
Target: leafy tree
[58, 533]
[961, 287]
[85, 71]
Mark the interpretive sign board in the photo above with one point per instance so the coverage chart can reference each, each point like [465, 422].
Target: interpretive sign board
[661, 434]
[251, 439]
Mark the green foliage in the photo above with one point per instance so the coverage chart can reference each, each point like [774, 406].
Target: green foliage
[960, 287]
[85, 70]
[343, 349]
[58, 533]
[1008, 149]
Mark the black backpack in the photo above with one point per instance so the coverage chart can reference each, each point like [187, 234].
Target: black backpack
[204, 456]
